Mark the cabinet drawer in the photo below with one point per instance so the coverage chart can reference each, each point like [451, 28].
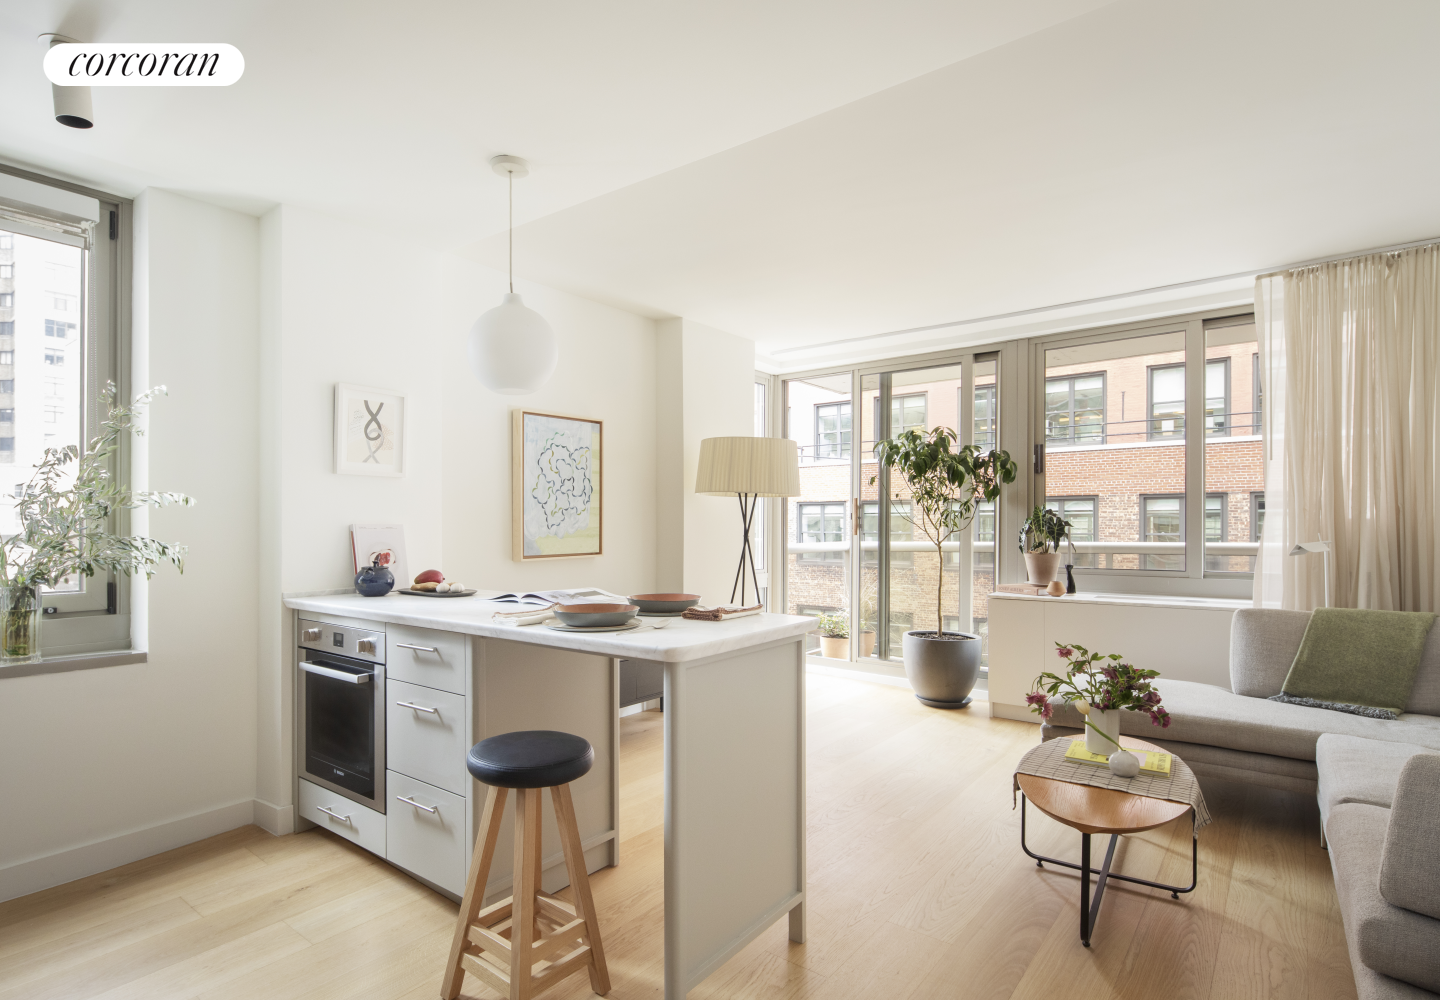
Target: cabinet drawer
[426, 656]
[338, 814]
[425, 734]
[430, 844]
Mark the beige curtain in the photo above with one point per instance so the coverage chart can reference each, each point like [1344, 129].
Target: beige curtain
[1350, 360]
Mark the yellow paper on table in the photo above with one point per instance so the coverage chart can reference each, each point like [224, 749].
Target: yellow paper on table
[1154, 761]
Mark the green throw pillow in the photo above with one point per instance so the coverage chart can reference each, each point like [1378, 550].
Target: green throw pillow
[1357, 661]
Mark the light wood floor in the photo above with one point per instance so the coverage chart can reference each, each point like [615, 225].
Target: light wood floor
[917, 885]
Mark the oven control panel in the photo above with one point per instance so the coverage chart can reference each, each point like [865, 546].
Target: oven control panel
[343, 640]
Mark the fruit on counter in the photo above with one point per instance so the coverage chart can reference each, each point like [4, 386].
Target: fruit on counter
[430, 576]
[428, 585]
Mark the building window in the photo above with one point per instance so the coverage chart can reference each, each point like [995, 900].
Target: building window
[7, 328]
[7, 385]
[7, 242]
[1258, 393]
[53, 414]
[1080, 512]
[1075, 410]
[8, 444]
[7, 357]
[56, 328]
[901, 530]
[7, 300]
[7, 271]
[54, 387]
[62, 303]
[1215, 517]
[832, 430]
[907, 413]
[1162, 519]
[51, 357]
[1167, 401]
[820, 522]
[7, 415]
[983, 428]
[1257, 516]
[1217, 397]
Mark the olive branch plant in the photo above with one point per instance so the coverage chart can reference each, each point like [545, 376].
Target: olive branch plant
[66, 518]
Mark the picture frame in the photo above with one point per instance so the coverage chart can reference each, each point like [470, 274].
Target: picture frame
[557, 486]
[369, 431]
[366, 540]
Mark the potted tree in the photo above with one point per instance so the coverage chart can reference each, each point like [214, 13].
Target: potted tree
[1040, 538]
[946, 485]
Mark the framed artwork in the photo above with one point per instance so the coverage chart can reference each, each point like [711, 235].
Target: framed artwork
[369, 431]
[556, 486]
[386, 541]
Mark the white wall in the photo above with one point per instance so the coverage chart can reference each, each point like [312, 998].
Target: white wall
[105, 766]
[705, 387]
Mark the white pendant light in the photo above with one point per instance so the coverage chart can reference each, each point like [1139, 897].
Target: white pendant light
[512, 349]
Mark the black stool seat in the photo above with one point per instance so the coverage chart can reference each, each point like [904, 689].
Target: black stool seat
[535, 758]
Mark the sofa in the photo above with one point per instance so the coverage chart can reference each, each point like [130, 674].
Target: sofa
[1377, 782]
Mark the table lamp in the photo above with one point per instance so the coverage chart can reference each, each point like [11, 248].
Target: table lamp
[750, 468]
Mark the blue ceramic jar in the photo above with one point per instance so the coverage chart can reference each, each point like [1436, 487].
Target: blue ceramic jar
[374, 581]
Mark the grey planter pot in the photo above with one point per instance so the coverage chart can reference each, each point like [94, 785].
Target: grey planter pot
[943, 672]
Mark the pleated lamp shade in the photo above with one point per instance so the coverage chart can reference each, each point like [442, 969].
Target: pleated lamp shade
[763, 466]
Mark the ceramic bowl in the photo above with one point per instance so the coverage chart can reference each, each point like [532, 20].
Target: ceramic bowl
[595, 614]
[664, 604]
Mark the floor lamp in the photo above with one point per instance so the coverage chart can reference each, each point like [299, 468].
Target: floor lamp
[1305, 549]
[748, 468]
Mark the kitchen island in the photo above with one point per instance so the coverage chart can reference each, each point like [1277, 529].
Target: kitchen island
[734, 753]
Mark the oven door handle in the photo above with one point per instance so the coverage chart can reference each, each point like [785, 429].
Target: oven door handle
[333, 674]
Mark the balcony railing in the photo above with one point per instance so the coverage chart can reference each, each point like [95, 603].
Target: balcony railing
[1219, 424]
[1081, 548]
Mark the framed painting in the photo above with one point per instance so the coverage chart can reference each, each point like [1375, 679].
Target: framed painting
[369, 431]
[556, 486]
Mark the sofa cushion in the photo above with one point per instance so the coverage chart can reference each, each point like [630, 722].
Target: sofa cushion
[1204, 713]
[1264, 641]
[1353, 769]
[1410, 864]
[1393, 941]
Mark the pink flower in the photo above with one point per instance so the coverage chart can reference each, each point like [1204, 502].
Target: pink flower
[1036, 698]
[1065, 652]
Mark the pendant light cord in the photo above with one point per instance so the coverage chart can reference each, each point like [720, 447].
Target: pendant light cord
[510, 232]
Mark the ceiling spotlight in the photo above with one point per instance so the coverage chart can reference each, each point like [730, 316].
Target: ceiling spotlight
[72, 104]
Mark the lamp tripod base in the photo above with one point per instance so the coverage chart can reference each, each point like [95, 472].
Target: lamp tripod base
[749, 503]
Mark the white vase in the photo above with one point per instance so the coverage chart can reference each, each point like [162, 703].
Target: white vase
[1109, 724]
[1124, 764]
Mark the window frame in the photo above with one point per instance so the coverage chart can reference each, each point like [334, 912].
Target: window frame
[1224, 364]
[819, 558]
[1257, 514]
[1145, 499]
[81, 627]
[924, 397]
[846, 447]
[1150, 432]
[1071, 442]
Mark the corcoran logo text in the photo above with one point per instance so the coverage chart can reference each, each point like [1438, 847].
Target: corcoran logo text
[146, 64]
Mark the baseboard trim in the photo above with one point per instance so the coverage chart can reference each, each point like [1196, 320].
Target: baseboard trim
[276, 820]
[1017, 713]
[25, 877]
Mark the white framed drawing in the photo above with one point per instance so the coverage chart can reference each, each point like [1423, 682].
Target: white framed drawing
[369, 431]
[557, 484]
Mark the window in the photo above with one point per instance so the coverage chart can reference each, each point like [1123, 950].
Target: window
[1217, 397]
[7, 328]
[1075, 410]
[1257, 393]
[63, 303]
[7, 415]
[820, 522]
[985, 421]
[1162, 520]
[7, 242]
[900, 623]
[56, 328]
[7, 300]
[1215, 520]
[7, 271]
[832, 430]
[901, 530]
[907, 413]
[1167, 401]
[7, 357]
[7, 385]
[8, 444]
[1082, 513]
[54, 387]
[51, 357]
[1257, 516]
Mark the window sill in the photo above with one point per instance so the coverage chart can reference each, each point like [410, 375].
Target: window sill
[1149, 600]
[79, 661]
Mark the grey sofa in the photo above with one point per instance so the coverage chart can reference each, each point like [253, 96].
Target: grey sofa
[1377, 782]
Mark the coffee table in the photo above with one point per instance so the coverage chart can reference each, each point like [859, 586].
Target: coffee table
[1093, 810]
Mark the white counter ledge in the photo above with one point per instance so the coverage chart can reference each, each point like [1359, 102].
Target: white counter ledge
[680, 641]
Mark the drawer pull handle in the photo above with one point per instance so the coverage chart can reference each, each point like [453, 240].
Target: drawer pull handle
[411, 802]
[422, 649]
[334, 815]
[418, 708]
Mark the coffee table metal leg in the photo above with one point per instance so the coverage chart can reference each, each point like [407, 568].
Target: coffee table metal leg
[1085, 889]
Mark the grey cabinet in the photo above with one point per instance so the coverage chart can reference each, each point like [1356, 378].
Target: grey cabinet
[641, 680]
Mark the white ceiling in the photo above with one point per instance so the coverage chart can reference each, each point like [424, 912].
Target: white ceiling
[798, 173]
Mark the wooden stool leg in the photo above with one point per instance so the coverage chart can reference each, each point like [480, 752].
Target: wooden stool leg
[580, 884]
[522, 916]
[474, 888]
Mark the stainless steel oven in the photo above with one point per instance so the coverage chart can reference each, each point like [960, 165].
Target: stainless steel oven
[341, 707]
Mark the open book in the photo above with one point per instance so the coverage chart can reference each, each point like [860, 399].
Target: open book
[545, 598]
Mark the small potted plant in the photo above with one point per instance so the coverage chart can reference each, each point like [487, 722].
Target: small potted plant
[834, 632]
[1040, 538]
[946, 487]
[1100, 687]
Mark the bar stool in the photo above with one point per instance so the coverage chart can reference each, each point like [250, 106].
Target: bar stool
[502, 944]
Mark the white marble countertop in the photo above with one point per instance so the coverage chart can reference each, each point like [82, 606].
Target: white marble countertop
[680, 640]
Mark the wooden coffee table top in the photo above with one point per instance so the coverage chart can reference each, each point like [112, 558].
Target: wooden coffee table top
[1100, 810]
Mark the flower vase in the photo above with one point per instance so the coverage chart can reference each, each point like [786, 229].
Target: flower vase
[1109, 724]
[20, 620]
